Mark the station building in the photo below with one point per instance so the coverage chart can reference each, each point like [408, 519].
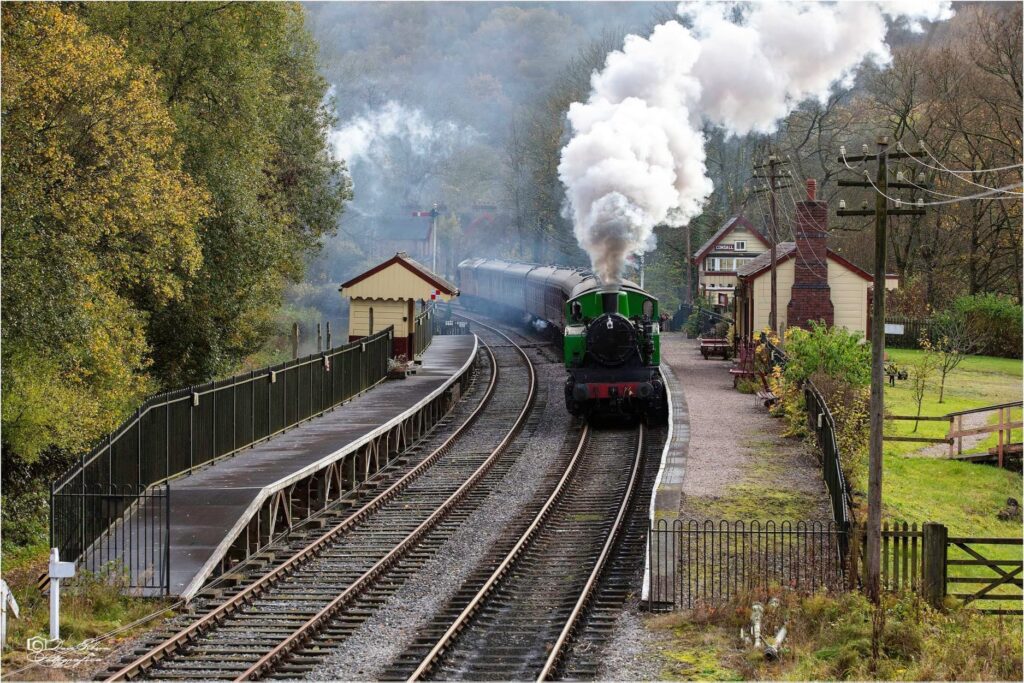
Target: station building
[736, 243]
[393, 293]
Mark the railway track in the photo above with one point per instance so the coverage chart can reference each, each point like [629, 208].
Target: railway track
[316, 588]
[542, 577]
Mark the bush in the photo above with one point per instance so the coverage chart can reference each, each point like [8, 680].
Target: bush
[832, 350]
[995, 321]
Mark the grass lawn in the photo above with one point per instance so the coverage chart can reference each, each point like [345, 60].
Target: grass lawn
[979, 381]
[966, 497]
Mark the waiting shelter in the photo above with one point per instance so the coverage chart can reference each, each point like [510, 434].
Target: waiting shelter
[393, 293]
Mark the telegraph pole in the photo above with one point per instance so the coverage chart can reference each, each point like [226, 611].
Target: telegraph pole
[689, 266]
[881, 212]
[772, 178]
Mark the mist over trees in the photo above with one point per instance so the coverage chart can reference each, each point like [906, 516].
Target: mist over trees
[475, 80]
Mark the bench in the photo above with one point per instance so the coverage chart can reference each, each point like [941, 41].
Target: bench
[744, 368]
[711, 346]
[766, 395]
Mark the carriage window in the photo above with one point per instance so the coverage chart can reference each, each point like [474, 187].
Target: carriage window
[371, 319]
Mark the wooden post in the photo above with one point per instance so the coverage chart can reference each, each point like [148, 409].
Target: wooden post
[933, 571]
[959, 434]
[950, 435]
[319, 339]
[329, 335]
[1000, 447]
[295, 340]
[876, 409]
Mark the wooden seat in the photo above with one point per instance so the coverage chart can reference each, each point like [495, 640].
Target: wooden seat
[744, 368]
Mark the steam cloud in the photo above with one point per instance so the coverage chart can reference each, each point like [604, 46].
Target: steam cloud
[361, 138]
[636, 158]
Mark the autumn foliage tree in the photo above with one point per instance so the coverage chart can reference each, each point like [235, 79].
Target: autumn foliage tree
[98, 215]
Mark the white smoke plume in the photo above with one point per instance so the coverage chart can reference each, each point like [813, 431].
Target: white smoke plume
[636, 158]
[363, 136]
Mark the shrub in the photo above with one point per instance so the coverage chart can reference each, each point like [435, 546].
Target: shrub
[995, 321]
[821, 352]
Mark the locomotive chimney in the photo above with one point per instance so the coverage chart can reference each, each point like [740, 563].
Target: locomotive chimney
[610, 299]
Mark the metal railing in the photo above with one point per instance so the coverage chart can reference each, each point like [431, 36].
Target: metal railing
[173, 433]
[823, 426]
[118, 530]
[424, 331]
[707, 562]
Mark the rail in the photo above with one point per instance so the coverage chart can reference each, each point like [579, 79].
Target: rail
[173, 433]
[424, 331]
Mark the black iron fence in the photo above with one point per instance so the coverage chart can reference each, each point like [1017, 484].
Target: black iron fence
[173, 433]
[706, 562]
[118, 529]
[823, 426]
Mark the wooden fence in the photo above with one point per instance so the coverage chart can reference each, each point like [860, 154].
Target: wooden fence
[1004, 426]
[930, 561]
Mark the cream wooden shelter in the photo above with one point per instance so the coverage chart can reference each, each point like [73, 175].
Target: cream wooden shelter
[392, 293]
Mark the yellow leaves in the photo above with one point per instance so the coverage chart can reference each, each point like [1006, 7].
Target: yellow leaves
[97, 214]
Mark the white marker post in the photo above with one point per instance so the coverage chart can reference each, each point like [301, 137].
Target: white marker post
[7, 601]
[58, 570]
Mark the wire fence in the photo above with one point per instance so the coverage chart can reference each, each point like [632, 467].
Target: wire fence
[173, 433]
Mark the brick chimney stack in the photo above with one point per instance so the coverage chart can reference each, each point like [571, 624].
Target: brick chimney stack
[811, 297]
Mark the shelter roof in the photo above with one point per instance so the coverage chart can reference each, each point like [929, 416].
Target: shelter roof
[786, 250]
[416, 268]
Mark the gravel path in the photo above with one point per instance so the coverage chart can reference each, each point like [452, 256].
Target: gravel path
[384, 636]
[739, 465]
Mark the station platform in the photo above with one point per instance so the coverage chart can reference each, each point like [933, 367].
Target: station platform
[213, 507]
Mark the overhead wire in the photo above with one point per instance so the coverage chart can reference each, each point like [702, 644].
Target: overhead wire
[943, 167]
[989, 192]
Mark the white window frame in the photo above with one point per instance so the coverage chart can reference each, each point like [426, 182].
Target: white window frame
[740, 245]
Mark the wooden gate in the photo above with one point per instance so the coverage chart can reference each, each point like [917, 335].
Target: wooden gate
[978, 571]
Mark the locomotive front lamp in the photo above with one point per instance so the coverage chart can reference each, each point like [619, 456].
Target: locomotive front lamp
[842, 204]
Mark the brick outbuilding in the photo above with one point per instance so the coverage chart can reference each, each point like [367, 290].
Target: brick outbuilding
[814, 282]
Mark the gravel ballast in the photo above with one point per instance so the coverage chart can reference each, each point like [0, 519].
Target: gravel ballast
[385, 635]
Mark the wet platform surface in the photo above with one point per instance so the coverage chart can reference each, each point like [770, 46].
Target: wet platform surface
[209, 507]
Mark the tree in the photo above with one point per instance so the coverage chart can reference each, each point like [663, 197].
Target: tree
[98, 215]
[954, 339]
[240, 80]
[921, 372]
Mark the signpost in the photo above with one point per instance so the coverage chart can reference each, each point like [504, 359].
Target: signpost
[58, 570]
